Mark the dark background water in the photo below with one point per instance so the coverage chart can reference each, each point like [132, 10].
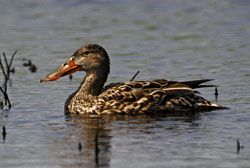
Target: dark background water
[177, 40]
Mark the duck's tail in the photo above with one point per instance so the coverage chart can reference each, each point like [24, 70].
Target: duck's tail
[210, 107]
[198, 83]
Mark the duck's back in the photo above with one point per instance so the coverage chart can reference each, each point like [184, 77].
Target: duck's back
[137, 97]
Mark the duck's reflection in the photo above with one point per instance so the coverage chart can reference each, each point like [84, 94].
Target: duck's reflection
[88, 139]
[91, 140]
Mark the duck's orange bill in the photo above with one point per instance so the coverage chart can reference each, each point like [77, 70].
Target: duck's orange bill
[65, 69]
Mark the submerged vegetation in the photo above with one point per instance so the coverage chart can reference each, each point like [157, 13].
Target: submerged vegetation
[7, 69]
[28, 63]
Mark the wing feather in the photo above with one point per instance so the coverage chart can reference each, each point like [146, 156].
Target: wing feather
[157, 95]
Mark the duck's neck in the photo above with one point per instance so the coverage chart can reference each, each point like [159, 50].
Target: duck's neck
[93, 83]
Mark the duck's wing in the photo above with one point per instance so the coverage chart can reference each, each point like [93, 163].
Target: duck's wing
[158, 95]
[192, 83]
[134, 90]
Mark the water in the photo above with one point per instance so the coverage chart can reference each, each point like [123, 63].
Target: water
[177, 40]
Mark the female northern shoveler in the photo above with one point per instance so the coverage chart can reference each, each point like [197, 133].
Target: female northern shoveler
[133, 97]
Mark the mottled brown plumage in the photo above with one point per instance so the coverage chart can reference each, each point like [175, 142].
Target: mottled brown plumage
[133, 97]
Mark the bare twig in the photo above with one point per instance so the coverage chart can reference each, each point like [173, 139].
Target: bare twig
[6, 97]
[134, 75]
[238, 146]
[3, 70]
[216, 93]
[4, 133]
[80, 146]
[6, 62]
[12, 58]
[6, 73]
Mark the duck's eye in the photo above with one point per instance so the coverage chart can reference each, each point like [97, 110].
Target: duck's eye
[64, 64]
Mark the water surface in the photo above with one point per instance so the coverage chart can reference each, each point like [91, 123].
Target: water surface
[177, 40]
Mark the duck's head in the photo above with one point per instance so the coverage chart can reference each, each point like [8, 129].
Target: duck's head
[91, 58]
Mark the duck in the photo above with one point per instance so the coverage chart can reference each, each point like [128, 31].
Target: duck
[129, 97]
